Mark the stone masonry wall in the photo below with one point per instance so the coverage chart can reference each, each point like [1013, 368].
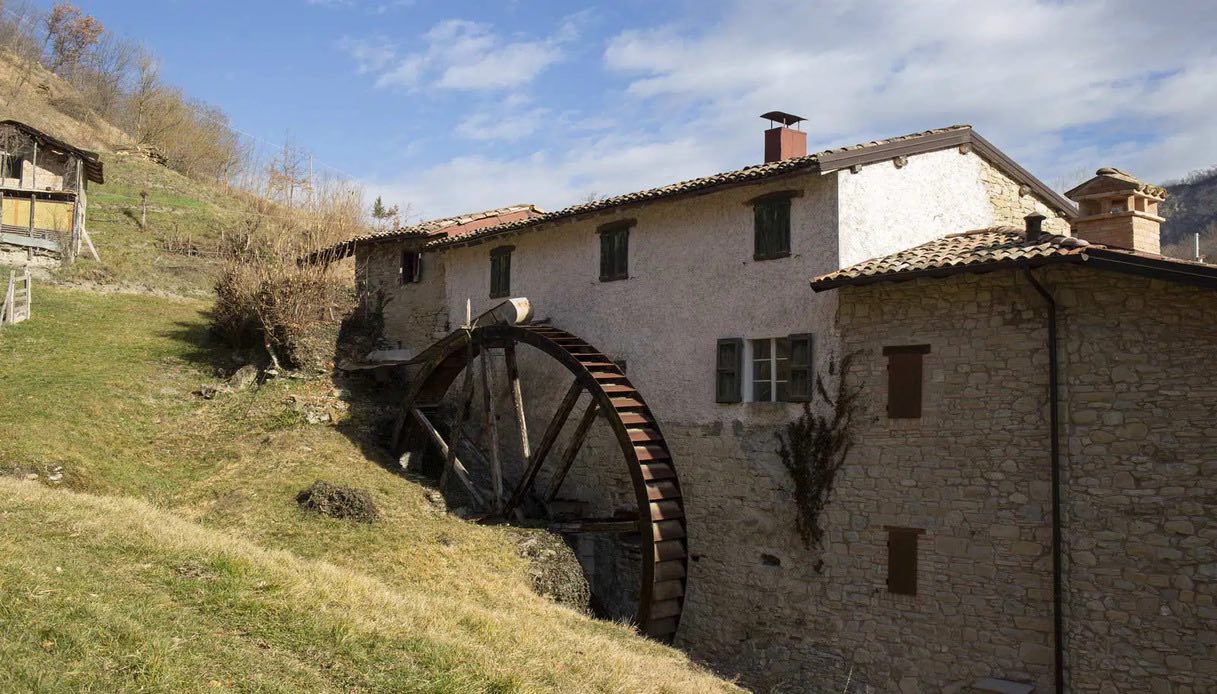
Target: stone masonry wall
[1011, 203]
[416, 314]
[1140, 508]
[1141, 521]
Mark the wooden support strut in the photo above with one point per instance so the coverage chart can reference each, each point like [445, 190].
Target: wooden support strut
[459, 427]
[496, 464]
[517, 398]
[572, 448]
[459, 467]
[547, 443]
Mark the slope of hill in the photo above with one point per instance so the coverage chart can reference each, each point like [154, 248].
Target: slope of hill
[199, 571]
[1191, 209]
[36, 96]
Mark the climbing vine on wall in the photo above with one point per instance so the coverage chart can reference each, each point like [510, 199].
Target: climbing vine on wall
[814, 446]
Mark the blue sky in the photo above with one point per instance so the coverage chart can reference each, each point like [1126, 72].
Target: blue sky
[454, 106]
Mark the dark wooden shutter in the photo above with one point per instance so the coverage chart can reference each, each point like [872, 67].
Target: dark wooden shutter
[614, 253]
[728, 375]
[902, 560]
[771, 220]
[904, 380]
[411, 263]
[799, 388]
[500, 272]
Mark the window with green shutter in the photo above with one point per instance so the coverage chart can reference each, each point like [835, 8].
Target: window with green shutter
[500, 272]
[729, 373]
[615, 251]
[902, 560]
[799, 385]
[771, 228]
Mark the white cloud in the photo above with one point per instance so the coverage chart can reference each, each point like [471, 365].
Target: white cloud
[1020, 71]
[509, 126]
[465, 55]
[370, 54]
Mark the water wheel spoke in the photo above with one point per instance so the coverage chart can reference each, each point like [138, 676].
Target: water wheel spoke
[459, 428]
[517, 398]
[547, 442]
[449, 452]
[496, 465]
[572, 449]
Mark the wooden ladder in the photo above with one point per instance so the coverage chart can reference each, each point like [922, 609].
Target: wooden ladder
[18, 299]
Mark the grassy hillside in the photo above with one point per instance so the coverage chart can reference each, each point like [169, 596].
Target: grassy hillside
[160, 547]
[175, 251]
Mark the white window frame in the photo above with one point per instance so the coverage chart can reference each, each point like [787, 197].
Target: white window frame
[749, 364]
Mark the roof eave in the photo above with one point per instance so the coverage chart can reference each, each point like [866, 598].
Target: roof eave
[941, 272]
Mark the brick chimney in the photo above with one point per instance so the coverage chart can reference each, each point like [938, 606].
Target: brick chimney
[781, 142]
[1115, 209]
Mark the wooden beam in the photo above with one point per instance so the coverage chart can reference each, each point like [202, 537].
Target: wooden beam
[459, 467]
[547, 442]
[459, 427]
[517, 398]
[496, 464]
[572, 448]
[596, 525]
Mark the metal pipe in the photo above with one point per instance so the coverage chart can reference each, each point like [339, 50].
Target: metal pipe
[1054, 414]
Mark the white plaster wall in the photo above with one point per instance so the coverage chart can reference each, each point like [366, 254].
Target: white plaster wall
[692, 280]
[884, 209]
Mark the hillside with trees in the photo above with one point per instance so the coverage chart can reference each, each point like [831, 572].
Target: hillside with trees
[1191, 209]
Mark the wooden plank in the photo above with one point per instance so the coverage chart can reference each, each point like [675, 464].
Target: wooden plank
[572, 448]
[461, 473]
[496, 464]
[671, 549]
[668, 530]
[660, 628]
[666, 510]
[666, 590]
[658, 490]
[669, 570]
[547, 442]
[665, 608]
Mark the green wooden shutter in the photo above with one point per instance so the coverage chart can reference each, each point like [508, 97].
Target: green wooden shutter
[500, 272]
[799, 388]
[614, 254]
[771, 220]
[729, 370]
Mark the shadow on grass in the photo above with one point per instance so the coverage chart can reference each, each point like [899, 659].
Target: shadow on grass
[373, 401]
[207, 350]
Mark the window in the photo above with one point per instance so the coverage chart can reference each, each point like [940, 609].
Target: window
[770, 368]
[904, 380]
[411, 267]
[615, 251]
[10, 166]
[728, 380]
[500, 271]
[772, 228]
[902, 560]
[798, 389]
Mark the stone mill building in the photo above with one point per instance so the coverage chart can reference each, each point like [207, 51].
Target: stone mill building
[1029, 502]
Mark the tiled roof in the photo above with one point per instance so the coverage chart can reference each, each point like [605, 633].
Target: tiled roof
[982, 248]
[998, 248]
[810, 162]
[450, 224]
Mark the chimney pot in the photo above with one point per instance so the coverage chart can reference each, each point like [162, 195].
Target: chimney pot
[782, 142]
[1034, 226]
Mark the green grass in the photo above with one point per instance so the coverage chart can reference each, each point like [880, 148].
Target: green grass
[173, 556]
[180, 209]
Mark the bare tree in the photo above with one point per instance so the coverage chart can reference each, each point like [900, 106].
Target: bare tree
[70, 35]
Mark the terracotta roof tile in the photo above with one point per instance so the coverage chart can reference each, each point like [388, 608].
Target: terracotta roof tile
[996, 246]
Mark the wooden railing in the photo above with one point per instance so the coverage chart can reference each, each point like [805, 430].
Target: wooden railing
[18, 299]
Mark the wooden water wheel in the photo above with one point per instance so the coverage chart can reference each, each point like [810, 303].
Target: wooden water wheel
[659, 520]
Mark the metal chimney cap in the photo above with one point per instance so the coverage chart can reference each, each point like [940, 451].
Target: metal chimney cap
[787, 119]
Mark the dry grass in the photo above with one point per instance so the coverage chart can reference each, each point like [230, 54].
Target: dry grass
[177, 558]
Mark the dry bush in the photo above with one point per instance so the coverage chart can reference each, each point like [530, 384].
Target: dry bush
[267, 295]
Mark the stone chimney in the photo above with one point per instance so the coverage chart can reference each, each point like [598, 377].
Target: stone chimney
[1115, 209]
[781, 142]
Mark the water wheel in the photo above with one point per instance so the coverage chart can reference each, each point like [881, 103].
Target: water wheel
[657, 518]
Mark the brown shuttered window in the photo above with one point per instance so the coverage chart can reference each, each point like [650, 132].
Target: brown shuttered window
[772, 228]
[902, 560]
[728, 386]
[798, 389]
[411, 267]
[904, 379]
[615, 251]
[500, 272]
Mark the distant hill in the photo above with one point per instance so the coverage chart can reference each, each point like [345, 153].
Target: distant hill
[36, 96]
[1191, 208]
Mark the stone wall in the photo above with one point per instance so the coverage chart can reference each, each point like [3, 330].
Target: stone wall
[1012, 201]
[1140, 512]
[416, 314]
